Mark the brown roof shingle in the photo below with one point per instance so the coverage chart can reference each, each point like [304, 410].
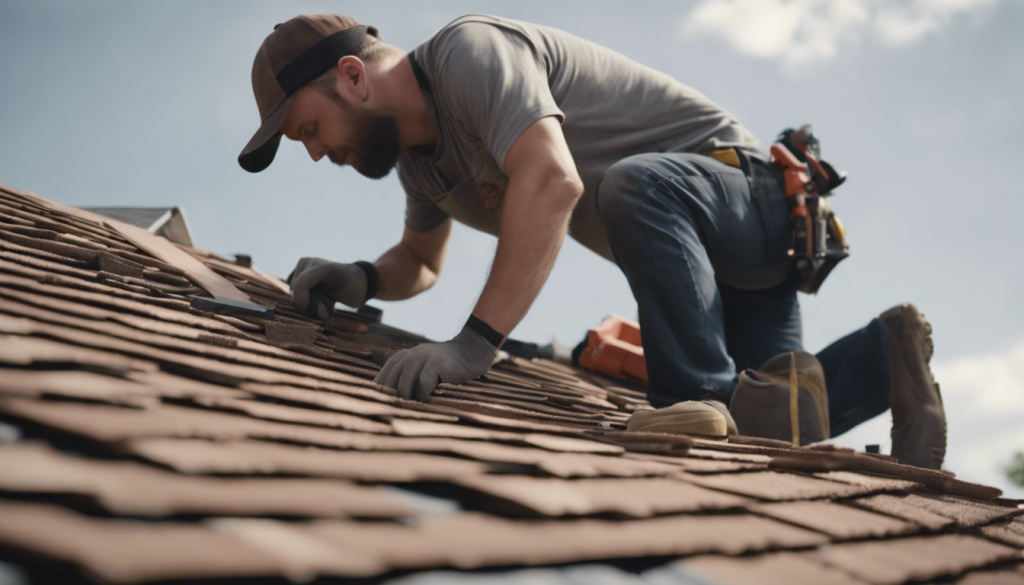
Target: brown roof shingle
[166, 442]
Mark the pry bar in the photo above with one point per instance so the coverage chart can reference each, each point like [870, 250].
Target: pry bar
[226, 306]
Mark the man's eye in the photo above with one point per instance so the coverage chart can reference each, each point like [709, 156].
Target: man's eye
[312, 130]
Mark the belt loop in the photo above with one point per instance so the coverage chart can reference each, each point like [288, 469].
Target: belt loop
[744, 162]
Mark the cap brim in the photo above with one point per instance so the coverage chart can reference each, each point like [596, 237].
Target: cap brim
[259, 153]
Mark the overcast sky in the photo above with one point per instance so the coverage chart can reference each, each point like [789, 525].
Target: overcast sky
[148, 104]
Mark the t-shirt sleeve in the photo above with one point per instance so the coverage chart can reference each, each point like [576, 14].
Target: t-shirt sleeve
[496, 82]
[421, 213]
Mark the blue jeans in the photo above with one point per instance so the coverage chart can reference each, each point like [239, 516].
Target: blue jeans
[701, 245]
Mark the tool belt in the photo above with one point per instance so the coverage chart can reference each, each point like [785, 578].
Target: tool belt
[819, 240]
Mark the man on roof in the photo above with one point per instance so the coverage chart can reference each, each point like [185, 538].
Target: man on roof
[529, 133]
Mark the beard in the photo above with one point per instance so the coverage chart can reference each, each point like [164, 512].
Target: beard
[375, 137]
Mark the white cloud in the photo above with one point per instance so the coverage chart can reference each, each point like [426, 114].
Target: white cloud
[984, 401]
[797, 32]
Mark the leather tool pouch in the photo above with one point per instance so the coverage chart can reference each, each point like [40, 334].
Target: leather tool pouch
[819, 240]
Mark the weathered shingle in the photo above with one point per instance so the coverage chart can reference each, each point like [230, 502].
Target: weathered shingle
[638, 498]
[132, 489]
[765, 569]
[915, 559]
[837, 521]
[261, 447]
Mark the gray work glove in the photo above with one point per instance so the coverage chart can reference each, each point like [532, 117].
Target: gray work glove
[417, 371]
[345, 283]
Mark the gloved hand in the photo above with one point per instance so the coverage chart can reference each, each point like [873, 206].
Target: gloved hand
[345, 283]
[416, 372]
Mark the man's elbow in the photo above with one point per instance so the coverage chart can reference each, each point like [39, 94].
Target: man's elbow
[574, 186]
[562, 189]
[429, 277]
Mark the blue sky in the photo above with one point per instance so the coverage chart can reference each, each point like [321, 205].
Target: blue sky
[148, 103]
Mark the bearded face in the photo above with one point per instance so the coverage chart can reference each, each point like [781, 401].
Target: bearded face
[374, 138]
[345, 132]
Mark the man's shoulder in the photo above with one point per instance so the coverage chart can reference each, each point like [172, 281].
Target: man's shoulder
[470, 22]
[471, 30]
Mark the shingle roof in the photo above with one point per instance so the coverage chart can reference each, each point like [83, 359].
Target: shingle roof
[162, 442]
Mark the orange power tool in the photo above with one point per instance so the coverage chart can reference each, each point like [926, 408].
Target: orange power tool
[819, 240]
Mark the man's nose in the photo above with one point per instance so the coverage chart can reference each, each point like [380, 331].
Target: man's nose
[316, 152]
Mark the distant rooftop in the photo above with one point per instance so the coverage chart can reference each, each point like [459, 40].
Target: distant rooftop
[168, 222]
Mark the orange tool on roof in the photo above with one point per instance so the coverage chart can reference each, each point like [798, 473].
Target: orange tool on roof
[614, 349]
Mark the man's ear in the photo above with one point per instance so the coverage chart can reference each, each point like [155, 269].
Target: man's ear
[351, 78]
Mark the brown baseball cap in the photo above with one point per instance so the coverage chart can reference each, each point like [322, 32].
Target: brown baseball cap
[295, 53]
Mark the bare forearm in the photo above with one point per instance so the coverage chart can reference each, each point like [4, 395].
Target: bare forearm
[535, 219]
[402, 274]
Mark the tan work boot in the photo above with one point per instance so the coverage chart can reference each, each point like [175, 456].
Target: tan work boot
[784, 399]
[918, 418]
[706, 418]
[730, 423]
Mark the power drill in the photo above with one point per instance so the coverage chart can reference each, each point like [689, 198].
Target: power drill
[819, 240]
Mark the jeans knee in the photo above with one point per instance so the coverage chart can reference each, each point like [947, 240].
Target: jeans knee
[618, 192]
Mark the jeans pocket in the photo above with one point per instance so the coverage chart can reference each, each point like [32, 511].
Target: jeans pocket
[774, 211]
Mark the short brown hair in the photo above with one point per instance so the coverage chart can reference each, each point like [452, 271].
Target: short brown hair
[369, 54]
[376, 51]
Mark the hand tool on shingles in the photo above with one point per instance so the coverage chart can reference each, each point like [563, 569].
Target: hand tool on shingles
[318, 297]
[226, 306]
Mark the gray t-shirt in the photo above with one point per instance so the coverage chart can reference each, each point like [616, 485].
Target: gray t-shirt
[491, 78]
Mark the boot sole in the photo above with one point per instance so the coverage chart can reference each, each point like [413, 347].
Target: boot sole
[910, 337]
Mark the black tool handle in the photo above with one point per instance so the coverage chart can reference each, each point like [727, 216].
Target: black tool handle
[319, 297]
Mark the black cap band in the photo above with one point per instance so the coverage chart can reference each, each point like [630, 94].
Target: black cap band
[322, 56]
